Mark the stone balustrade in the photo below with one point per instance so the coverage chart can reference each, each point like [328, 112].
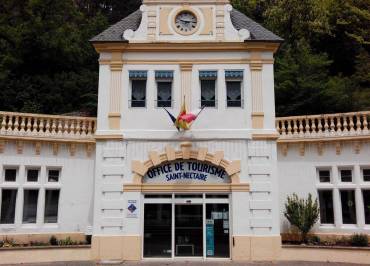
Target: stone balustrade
[295, 128]
[345, 125]
[54, 127]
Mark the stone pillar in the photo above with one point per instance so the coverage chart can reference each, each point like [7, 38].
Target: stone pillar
[115, 91]
[186, 73]
[257, 91]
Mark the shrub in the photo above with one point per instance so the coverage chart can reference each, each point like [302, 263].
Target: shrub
[314, 240]
[302, 213]
[88, 239]
[53, 241]
[359, 240]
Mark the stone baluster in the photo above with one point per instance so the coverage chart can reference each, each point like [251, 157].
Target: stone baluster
[84, 128]
[60, 128]
[78, 127]
[16, 124]
[23, 124]
[47, 127]
[332, 125]
[326, 126]
[345, 125]
[358, 124]
[9, 126]
[67, 127]
[295, 127]
[319, 126]
[35, 125]
[29, 125]
[3, 123]
[351, 125]
[301, 128]
[313, 127]
[90, 128]
[289, 127]
[365, 124]
[53, 127]
[73, 128]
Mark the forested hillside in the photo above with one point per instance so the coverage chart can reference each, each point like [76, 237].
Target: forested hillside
[47, 64]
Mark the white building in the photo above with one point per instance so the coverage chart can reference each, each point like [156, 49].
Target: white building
[142, 188]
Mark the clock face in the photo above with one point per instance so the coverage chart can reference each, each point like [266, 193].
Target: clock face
[186, 22]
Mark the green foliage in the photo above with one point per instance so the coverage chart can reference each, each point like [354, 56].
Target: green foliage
[53, 241]
[47, 64]
[302, 213]
[67, 242]
[359, 240]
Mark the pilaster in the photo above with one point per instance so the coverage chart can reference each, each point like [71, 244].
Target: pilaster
[114, 115]
[256, 67]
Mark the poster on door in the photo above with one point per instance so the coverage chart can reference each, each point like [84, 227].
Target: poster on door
[210, 237]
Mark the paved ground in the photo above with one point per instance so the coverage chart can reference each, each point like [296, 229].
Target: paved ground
[162, 263]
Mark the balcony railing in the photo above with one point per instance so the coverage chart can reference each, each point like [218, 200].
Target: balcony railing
[324, 126]
[295, 128]
[47, 126]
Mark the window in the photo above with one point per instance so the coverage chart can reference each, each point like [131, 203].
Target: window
[324, 176]
[32, 175]
[346, 175]
[138, 88]
[208, 88]
[51, 206]
[234, 95]
[234, 80]
[366, 197]
[348, 206]
[8, 200]
[366, 175]
[208, 93]
[164, 88]
[326, 206]
[30, 205]
[53, 176]
[10, 175]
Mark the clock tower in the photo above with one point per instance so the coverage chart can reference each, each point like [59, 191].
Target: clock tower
[179, 21]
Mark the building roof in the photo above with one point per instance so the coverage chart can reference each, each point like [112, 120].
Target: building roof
[240, 21]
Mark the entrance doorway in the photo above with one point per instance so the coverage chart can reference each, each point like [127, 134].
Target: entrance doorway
[186, 225]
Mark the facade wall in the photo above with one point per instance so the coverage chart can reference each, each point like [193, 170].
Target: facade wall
[75, 208]
[299, 174]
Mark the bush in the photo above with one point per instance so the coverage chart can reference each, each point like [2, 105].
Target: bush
[53, 241]
[88, 239]
[302, 214]
[359, 240]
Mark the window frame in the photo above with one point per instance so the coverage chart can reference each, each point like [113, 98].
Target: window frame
[163, 80]
[146, 93]
[332, 198]
[216, 93]
[10, 167]
[241, 93]
[27, 168]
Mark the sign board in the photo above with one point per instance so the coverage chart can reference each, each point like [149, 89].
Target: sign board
[132, 209]
[186, 171]
[210, 237]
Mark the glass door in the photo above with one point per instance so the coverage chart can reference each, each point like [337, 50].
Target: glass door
[158, 230]
[188, 230]
[217, 231]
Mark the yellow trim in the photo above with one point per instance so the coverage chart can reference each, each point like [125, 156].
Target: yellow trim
[209, 21]
[164, 13]
[46, 139]
[325, 139]
[145, 188]
[185, 46]
[108, 137]
[195, 61]
[265, 136]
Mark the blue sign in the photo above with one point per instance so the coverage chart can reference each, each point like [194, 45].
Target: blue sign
[210, 238]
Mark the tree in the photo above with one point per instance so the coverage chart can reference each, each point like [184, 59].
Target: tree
[47, 64]
[302, 213]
